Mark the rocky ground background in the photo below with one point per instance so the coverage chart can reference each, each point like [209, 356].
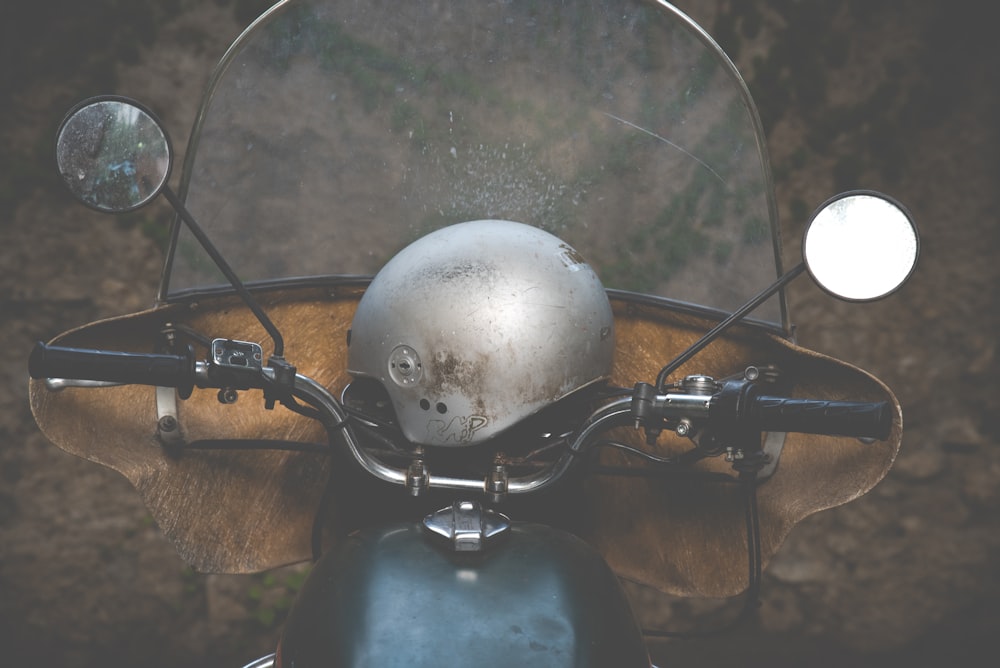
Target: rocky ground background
[901, 97]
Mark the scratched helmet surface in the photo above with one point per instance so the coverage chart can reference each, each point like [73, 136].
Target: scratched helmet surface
[476, 326]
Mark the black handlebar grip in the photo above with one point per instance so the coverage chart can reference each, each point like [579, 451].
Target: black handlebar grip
[861, 419]
[117, 367]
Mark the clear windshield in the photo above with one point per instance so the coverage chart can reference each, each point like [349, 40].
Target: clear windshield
[335, 133]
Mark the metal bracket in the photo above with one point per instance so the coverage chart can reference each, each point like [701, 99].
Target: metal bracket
[774, 442]
[467, 525]
[168, 426]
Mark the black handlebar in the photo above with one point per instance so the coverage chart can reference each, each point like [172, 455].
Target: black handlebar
[738, 405]
[741, 405]
[861, 419]
[117, 367]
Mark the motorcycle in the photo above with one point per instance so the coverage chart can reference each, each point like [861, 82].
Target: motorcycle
[475, 428]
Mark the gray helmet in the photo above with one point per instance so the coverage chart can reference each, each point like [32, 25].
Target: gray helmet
[479, 325]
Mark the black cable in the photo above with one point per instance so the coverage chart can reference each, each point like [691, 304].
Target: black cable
[293, 405]
[254, 444]
[751, 601]
[320, 517]
[668, 467]
[683, 459]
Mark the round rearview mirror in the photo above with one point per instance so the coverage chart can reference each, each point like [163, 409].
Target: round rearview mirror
[113, 154]
[861, 246]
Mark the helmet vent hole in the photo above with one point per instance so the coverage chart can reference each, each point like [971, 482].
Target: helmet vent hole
[441, 408]
[426, 405]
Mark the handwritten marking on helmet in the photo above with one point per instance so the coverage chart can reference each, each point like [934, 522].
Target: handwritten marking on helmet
[460, 429]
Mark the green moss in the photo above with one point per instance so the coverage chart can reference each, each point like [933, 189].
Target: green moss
[270, 597]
